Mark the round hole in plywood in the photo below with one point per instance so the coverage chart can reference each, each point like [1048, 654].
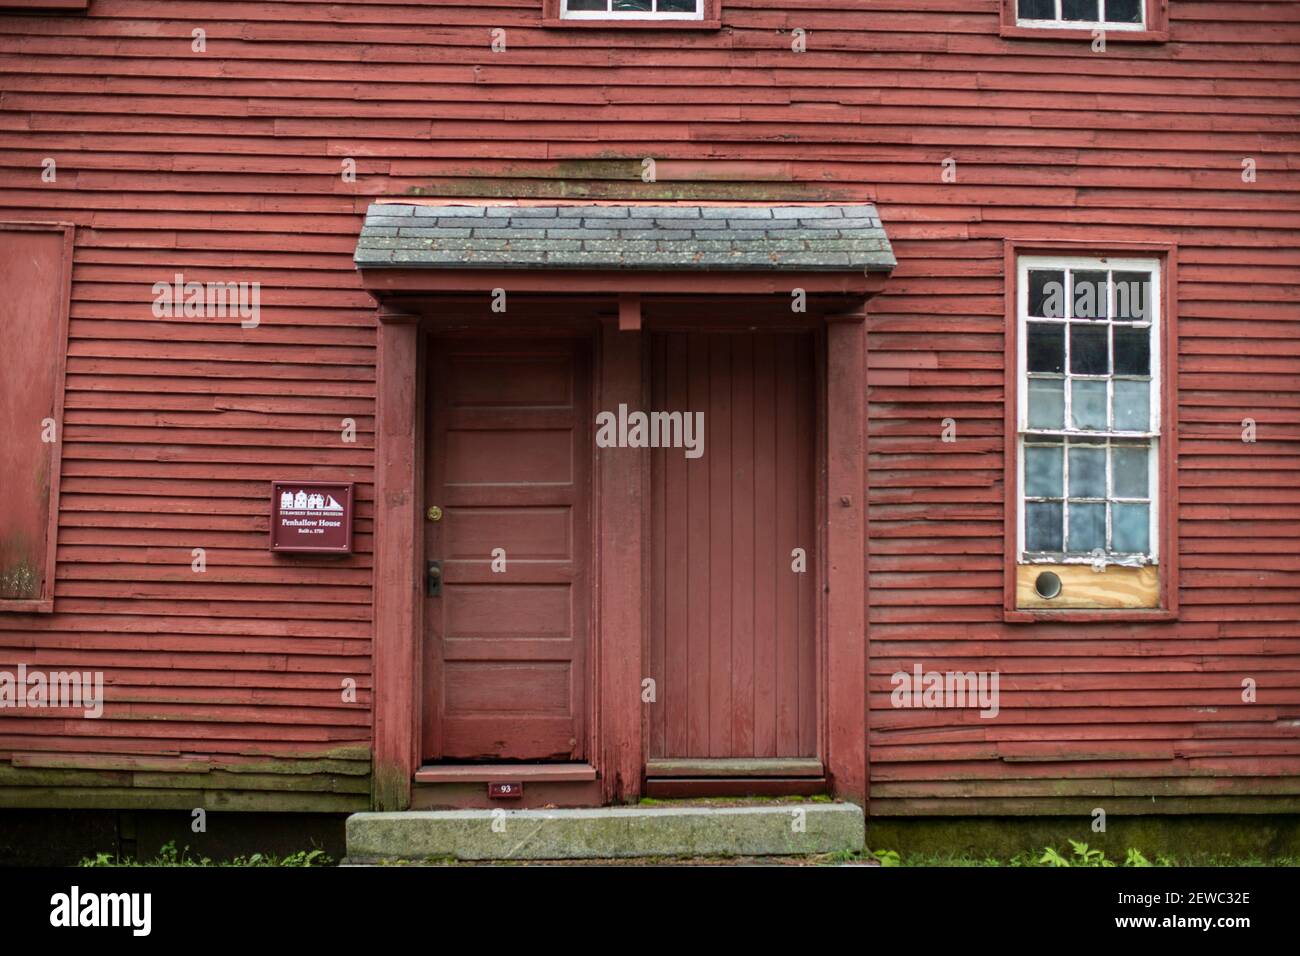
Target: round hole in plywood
[1047, 585]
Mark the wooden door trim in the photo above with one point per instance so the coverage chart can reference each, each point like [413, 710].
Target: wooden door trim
[507, 773]
[619, 626]
[619, 503]
[398, 554]
[846, 557]
[731, 767]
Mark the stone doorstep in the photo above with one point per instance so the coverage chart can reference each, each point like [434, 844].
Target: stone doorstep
[605, 832]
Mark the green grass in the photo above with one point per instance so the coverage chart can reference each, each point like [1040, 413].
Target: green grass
[1076, 854]
[170, 856]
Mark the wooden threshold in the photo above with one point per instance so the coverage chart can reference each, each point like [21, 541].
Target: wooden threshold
[519, 773]
[729, 767]
[686, 788]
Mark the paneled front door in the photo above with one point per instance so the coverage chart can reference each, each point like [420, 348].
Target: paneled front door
[509, 472]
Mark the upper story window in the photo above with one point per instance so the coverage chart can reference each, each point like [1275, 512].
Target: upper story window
[632, 9]
[1089, 414]
[1082, 14]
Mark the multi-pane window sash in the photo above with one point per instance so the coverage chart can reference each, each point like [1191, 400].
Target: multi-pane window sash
[1082, 14]
[632, 9]
[1089, 409]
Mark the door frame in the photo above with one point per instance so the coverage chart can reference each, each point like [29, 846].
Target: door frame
[610, 307]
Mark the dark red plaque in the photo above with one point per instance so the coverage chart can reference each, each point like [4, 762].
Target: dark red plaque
[311, 517]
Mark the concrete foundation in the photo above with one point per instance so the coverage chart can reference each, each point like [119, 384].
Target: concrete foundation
[605, 833]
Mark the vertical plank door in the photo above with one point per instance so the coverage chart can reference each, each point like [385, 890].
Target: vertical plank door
[732, 624]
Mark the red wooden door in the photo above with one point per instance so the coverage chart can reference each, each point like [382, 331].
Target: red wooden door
[732, 640]
[509, 465]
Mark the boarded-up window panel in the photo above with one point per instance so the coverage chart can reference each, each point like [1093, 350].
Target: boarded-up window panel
[35, 268]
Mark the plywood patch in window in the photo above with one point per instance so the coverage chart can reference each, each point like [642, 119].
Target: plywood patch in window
[1082, 587]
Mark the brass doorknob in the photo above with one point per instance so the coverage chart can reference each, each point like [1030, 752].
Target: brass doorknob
[433, 513]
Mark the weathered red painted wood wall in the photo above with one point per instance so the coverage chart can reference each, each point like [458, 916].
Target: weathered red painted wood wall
[227, 164]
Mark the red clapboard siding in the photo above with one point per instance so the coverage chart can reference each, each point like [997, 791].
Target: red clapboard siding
[227, 163]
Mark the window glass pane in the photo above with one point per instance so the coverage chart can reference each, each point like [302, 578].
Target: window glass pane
[1103, 354]
[1132, 350]
[1042, 526]
[1047, 293]
[1078, 9]
[1124, 11]
[1046, 403]
[1087, 471]
[1043, 471]
[1132, 296]
[1132, 405]
[631, 6]
[1088, 294]
[1131, 528]
[1037, 9]
[587, 6]
[1129, 471]
[677, 6]
[1046, 347]
[1087, 527]
[1088, 404]
[1088, 349]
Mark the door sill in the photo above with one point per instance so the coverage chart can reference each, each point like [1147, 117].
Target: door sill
[731, 767]
[739, 788]
[517, 772]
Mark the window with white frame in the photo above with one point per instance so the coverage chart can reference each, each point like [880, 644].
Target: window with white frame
[1089, 409]
[1082, 14]
[632, 9]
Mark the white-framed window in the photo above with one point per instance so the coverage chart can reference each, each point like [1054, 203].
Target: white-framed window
[632, 9]
[1089, 409]
[1082, 14]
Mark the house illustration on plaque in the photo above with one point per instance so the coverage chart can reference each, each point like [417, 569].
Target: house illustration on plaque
[301, 501]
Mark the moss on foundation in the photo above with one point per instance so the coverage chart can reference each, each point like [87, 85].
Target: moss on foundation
[391, 788]
[332, 781]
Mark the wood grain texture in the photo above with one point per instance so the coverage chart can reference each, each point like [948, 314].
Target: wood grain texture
[36, 272]
[508, 638]
[621, 530]
[732, 627]
[846, 510]
[1082, 587]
